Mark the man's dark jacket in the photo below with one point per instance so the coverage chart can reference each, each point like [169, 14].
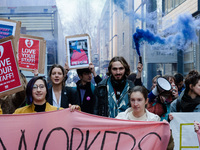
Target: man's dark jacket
[101, 94]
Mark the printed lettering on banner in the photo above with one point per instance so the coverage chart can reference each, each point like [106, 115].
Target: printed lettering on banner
[64, 129]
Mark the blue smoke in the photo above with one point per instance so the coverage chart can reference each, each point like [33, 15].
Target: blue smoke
[187, 27]
[142, 35]
[184, 32]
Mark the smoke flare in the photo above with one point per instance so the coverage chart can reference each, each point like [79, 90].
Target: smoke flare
[184, 33]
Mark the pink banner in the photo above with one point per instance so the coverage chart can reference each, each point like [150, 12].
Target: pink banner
[77, 130]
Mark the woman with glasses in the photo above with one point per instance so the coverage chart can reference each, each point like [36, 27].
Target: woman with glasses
[59, 94]
[37, 94]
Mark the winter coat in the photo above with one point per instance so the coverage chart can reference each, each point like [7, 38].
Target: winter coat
[106, 103]
[68, 96]
[185, 103]
[87, 104]
[31, 109]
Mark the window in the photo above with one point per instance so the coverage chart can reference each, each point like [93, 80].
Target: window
[188, 67]
[176, 3]
[169, 5]
[45, 10]
[12, 11]
[188, 56]
[181, 1]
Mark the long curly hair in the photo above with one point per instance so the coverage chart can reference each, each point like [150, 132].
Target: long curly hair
[122, 61]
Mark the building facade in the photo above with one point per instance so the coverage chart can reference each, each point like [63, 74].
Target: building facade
[38, 18]
[187, 59]
[116, 31]
[118, 23]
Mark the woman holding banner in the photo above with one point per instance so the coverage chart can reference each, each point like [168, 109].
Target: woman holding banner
[137, 111]
[60, 95]
[37, 93]
[138, 100]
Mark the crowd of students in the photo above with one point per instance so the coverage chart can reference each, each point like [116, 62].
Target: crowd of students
[121, 95]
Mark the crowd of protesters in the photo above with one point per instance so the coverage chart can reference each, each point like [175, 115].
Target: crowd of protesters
[120, 95]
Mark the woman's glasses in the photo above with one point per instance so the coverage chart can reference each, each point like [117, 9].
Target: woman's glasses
[41, 86]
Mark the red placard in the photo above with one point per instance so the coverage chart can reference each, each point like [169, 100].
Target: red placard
[9, 75]
[28, 53]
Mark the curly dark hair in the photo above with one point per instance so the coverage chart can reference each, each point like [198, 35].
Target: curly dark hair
[122, 61]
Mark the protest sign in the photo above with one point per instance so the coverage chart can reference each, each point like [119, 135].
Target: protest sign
[78, 50]
[183, 133]
[9, 73]
[31, 53]
[64, 129]
[10, 27]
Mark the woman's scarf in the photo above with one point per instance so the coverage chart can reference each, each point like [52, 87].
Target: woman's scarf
[188, 104]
